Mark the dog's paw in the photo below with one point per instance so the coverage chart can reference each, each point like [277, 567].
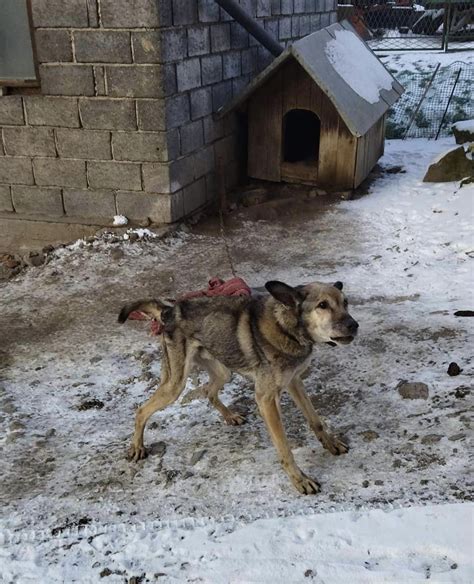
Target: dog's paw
[306, 486]
[136, 453]
[234, 419]
[334, 445]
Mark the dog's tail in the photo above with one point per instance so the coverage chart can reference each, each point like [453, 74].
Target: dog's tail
[154, 309]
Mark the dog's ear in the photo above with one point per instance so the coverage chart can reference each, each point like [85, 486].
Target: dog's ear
[283, 293]
[150, 308]
[338, 285]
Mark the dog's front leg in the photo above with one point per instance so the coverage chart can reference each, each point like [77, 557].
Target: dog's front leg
[268, 404]
[301, 399]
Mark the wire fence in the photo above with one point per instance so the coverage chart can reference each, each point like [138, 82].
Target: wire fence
[432, 102]
[393, 25]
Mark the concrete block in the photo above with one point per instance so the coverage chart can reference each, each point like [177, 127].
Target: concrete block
[177, 111]
[130, 14]
[276, 7]
[211, 68]
[6, 204]
[305, 25]
[57, 13]
[287, 7]
[310, 6]
[165, 12]
[156, 178]
[250, 6]
[188, 74]
[315, 22]
[11, 110]
[204, 161]
[220, 37]
[170, 84]
[108, 114]
[185, 12]
[99, 46]
[284, 28]
[224, 16]
[201, 102]
[37, 201]
[114, 175]
[213, 129]
[173, 145]
[332, 17]
[142, 206]
[60, 173]
[239, 37]
[264, 58]
[299, 6]
[194, 196]
[86, 144]
[264, 8]
[29, 142]
[139, 146]
[151, 114]
[53, 45]
[99, 80]
[146, 46]
[16, 171]
[173, 44]
[198, 41]
[66, 79]
[271, 26]
[295, 27]
[325, 20]
[208, 11]
[93, 13]
[192, 137]
[221, 94]
[134, 80]
[232, 65]
[249, 61]
[51, 111]
[181, 173]
[211, 186]
[239, 84]
[89, 204]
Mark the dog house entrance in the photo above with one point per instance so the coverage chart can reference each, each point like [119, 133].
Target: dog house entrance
[301, 131]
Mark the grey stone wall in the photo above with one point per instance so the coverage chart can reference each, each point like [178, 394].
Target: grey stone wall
[123, 121]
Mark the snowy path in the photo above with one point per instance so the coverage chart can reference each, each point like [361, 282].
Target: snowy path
[72, 377]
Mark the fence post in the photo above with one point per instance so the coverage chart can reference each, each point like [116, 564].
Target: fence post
[446, 21]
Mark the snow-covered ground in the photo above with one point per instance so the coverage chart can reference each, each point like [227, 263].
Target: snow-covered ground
[211, 503]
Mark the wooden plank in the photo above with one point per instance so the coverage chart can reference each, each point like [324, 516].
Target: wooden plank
[345, 158]
[328, 143]
[360, 168]
[299, 172]
[274, 121]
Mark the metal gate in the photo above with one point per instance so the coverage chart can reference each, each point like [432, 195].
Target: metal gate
[404, 25]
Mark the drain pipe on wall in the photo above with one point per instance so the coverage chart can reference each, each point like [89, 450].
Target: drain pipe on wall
[251, 26]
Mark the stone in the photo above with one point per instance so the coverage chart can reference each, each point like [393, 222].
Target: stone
[254, 197]
[173, 44]
[53, 46]
[51, 111]
[454, 369]
[151, 114]
[221, 94]
[67, 79]
[369, 435]
[456, 437]
[464, 131]
[5, 199]
[188, 74]
[114, 175]
[108, 114]
[201, 102]
[85, 144]
[431, 438]
[184, 12]
[57, 13]
[469, 180]
[198, 41]
[192, 137]
[97, 46]
[220, 37]
[208, 11]
[147, 47]
[177, 111]
[139, 147]
[197, 456]
[239, 37]
[453, 165]
[413, 390]
[232, 65]
[11, 110]
[211, 68]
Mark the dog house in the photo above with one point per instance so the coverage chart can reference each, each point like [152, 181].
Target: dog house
[316, 114]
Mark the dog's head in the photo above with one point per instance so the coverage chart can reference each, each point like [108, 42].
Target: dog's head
[322, 310]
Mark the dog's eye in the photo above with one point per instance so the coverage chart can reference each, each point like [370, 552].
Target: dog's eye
[323, 305]
[346, 303]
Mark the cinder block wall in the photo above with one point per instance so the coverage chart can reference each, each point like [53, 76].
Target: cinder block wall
[123, 121]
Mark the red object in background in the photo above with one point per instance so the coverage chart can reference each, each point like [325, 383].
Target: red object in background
[216, 287]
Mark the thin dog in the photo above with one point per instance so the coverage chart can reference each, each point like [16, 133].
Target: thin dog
[266, 338]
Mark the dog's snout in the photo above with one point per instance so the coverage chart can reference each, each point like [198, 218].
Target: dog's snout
[352, 325]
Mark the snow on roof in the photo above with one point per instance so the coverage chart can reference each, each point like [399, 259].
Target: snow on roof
[353, 63]
[464, 126]
[360, 87]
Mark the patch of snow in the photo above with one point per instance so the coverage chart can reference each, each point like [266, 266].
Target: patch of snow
[464, 126]
[371, 546]
[359, 68]
[120, 220]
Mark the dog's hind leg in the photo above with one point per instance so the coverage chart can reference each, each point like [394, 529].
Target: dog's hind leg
[176, 364]
[268, 404]
[301, 399]
[219, 375]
